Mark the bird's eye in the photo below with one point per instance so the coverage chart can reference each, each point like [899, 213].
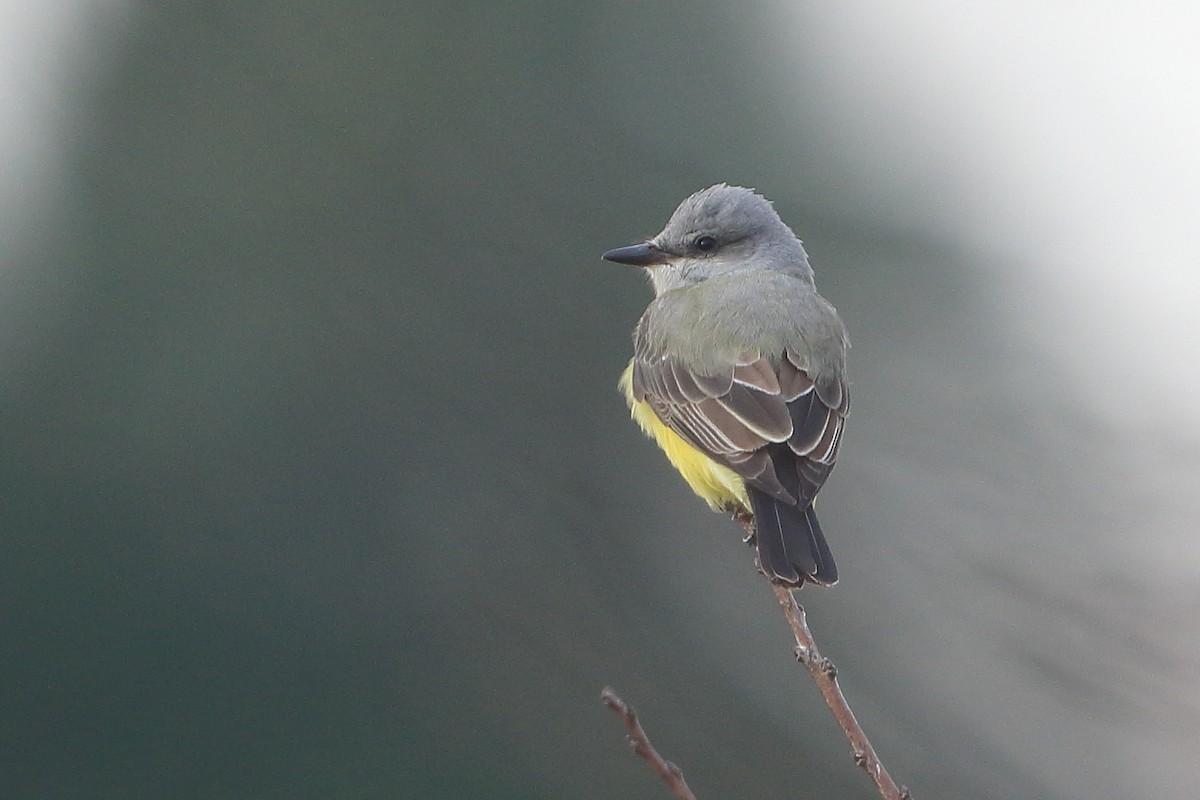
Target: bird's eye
[706, 244]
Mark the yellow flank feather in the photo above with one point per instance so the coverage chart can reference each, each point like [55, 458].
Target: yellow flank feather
[722, 488]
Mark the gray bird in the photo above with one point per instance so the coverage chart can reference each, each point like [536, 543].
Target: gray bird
[739, 372]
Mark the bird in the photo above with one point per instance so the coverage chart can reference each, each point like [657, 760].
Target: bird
[739, 372]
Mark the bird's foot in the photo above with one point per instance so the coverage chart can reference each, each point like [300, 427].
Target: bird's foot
[746, 519]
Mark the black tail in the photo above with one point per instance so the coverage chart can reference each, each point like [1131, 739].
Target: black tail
[791, 546]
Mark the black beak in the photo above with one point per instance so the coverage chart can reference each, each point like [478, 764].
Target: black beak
[638, 255]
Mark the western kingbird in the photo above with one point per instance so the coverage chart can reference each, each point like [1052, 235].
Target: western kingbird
[739, 371]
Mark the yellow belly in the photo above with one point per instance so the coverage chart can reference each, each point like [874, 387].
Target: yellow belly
[719, 486]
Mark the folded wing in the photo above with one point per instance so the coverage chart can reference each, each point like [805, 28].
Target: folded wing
[738, 414]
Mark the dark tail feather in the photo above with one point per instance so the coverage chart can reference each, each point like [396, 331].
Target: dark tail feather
[826, 573]
[791, 546]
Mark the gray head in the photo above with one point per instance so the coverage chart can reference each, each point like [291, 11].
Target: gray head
[717, 231]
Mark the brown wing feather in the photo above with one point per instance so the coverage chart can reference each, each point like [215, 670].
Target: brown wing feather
[740, 415]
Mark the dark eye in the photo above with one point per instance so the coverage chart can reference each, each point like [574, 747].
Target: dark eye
[706, 244]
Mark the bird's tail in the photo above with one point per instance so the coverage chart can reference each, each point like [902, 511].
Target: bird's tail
[791, 546]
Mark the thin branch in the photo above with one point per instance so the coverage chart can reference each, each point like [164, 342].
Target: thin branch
[824, 674]
[671, 774]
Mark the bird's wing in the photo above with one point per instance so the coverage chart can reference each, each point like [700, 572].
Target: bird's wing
[742, 414]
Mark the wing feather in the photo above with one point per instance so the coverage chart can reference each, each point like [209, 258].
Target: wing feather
[742, 415]
[810, 418]
[691, 391]
[756, 373]
[764, 414]
[793, 381]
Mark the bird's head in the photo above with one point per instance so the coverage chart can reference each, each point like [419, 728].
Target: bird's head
[716, 231]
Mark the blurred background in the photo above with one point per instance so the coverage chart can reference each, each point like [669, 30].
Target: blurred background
[314, 480]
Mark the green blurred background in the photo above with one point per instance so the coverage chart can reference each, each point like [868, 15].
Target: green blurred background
[315, 481]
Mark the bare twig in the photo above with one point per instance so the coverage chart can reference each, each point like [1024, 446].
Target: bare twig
[824, 674]
[671, 774]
